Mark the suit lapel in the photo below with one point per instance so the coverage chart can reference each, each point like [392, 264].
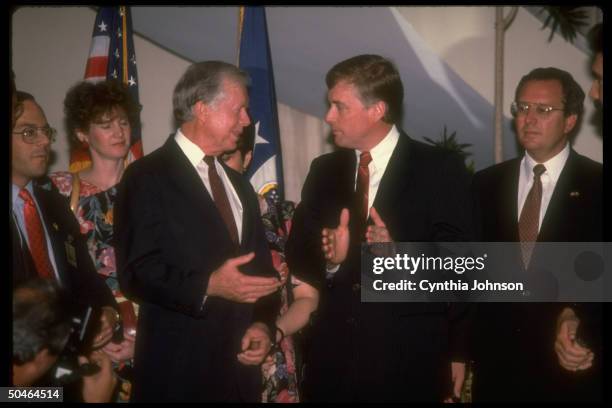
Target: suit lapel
[248, 218]
[399, 174]
[188, 181]
[23, 265]
[57, 235]
[508, 197]
[559, 200]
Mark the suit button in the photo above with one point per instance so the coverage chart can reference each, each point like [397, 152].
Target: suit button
[356, 287]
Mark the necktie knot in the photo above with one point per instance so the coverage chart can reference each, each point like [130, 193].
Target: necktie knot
[364, 159]
[538, 170]
[25, 196]
[209, 160]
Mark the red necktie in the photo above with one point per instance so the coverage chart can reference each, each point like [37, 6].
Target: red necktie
[529, 220]
[363, 184]
[36, 237]
[220, 198]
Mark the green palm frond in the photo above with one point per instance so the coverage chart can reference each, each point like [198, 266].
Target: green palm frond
[449, 142]
[566, 19]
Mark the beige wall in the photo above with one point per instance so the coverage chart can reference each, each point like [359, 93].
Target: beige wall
[465, 38]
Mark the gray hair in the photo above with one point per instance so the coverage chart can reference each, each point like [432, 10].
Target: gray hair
[202, 82]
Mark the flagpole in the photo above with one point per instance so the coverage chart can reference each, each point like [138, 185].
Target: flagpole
[240, 25]
[123, 14]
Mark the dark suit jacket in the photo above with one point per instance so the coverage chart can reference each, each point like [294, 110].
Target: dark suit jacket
[515, 359]
[79, 278]
[169, 238]
[377, 351]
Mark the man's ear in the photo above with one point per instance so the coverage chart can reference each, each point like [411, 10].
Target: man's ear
[378, 110]
[200, 110]
[570, 122]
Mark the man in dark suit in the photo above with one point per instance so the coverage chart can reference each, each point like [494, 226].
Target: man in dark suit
[556, 193]
[412, 192]
[189, 246]
[46, 238]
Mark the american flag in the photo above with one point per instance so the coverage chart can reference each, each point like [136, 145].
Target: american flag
[266, 169]
[111, 56]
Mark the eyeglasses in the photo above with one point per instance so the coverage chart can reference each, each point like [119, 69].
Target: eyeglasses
[31, 134]
[523, 108]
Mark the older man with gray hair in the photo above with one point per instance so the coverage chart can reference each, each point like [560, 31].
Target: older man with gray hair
[191, 251]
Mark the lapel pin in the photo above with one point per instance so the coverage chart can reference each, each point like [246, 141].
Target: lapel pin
[55, 227]
[575, 194]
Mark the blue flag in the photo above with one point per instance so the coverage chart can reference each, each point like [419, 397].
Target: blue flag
[266, 169]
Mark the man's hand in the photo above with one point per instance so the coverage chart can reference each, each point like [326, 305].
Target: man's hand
[98, 387]
[335, 241]
[572, 356]
[458, 378]
[255, 344]
[377, 232]
[108, 320]
[122, 351]
[229, 283]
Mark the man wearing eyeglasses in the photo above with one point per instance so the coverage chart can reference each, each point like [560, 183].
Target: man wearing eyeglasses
[551, 194]
[46, 239]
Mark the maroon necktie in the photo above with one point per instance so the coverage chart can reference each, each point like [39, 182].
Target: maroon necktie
[220, 198]
[36, 237]
[530, 215]
[363, 184]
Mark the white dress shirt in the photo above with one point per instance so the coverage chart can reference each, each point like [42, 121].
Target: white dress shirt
[381, 153]
[195, 155]
[18, 205]
[549, 179]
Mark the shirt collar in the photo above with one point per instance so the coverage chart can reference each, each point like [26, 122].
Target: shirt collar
[554, 165]
[17, 189]
[383, 150]
[194, 154]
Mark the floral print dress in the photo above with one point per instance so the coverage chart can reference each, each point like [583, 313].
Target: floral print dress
[95, 216]
[280, 377]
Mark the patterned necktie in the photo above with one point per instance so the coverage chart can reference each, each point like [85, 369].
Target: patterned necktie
[530, 215]
[220, 198]
[363, 184]
[36, 237]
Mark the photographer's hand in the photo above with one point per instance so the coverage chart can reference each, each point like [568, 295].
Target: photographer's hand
[122, 351]
[108, 320]
[98, 387]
